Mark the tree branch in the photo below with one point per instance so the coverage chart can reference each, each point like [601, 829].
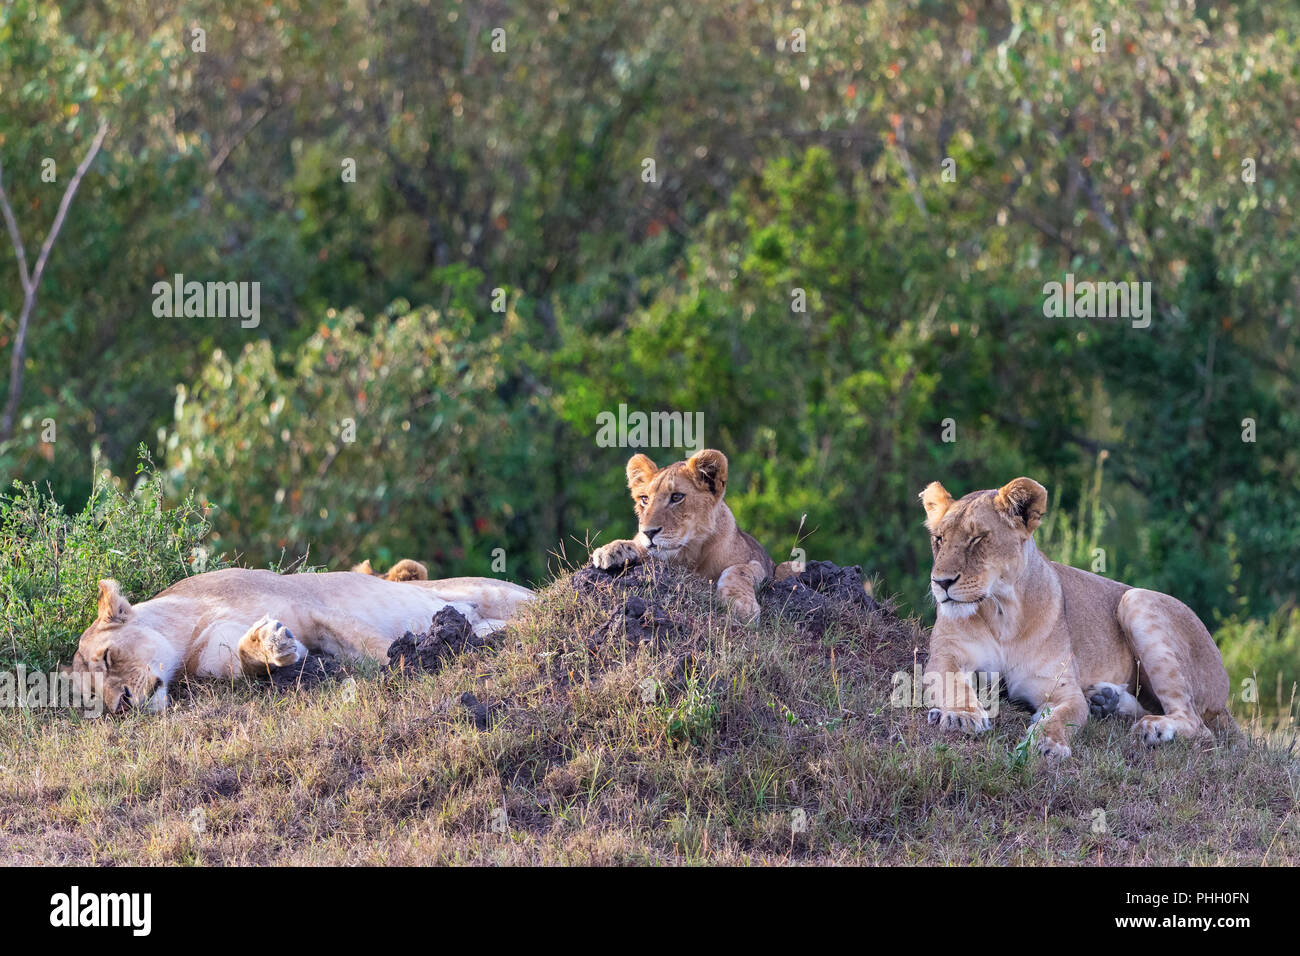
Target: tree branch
[31, 281]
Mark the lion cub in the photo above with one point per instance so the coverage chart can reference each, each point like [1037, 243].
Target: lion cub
[682, 519]
[404, 570]
[1058, 636]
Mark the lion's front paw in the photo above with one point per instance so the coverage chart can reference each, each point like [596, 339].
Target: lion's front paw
[273, 644]
[616, 554]
[967, 720]
[1155, 729]
[1048, 747]
[745, 609]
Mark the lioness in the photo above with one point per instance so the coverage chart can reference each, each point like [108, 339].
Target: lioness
[404, 570]
[241, 621]
[1059, 637]
[682, 518]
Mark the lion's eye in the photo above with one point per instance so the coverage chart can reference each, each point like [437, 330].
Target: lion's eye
[938, 539]
[676, 497]
[977, 539]
[644, 499]
[108, 660]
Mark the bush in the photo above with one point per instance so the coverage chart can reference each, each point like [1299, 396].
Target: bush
[51, 561]
[1266, 651]
[379, 438]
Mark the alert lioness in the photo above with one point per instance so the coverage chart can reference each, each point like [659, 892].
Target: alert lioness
[241, 621]
[1060, 637]
[682, 519]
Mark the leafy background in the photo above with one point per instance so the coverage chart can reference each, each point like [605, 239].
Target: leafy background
[520, 171]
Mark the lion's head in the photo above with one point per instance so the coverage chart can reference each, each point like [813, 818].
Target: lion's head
[981, 542]
[119, 656]
[677, 506]
[404, 570]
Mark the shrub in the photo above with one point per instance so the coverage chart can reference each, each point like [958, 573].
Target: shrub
[1266, 651]
[51, 561]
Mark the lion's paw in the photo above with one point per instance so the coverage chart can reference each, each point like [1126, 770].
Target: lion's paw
[1047, 747]
[616, 554]
[745, 609]
[272, 643]
[1106, 700]
[1155, 729]
[1103, 699]
[965, 720]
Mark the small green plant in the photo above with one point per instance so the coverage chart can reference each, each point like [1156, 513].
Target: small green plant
[1020, 753]
[51, 561]
[691, 718]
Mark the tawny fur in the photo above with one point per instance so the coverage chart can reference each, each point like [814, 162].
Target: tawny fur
[404, 570]
[241, 621]
[1058, 636]
[682, 519]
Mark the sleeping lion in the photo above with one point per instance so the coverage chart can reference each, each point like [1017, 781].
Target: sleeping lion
[241, 621]
[1063, 640]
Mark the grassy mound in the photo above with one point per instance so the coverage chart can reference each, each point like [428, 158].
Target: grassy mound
[624, 719]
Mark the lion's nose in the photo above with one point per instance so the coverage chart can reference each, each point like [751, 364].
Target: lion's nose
[945, 583]
[650, 533]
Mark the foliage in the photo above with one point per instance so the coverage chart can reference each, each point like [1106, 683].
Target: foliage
[1266, 652]
[379, 438]
[484, 172]
[51, 561]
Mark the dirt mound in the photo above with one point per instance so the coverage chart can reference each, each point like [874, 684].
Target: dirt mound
[822, 594]
[604, 586]
[837, 583]
[449, 636]
[635, 597]
[483, 715]
[308, 672]
[637, 621]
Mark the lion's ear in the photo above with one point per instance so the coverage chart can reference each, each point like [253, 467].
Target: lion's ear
[363, 567]
[113, 607]
[709, 468]
[640, 469]
[936, 501]
[1024, 501]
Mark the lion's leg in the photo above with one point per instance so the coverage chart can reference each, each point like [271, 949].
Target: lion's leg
[948, 682]
[1152, 623]
[1057, 718]
[617, 554]
[351, 638]
[736, 587]
[268, 644]
[1055, 690]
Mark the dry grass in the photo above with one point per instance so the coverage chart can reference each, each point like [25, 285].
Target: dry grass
[709, 744]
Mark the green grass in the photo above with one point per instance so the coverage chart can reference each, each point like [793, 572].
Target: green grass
[719, 745]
